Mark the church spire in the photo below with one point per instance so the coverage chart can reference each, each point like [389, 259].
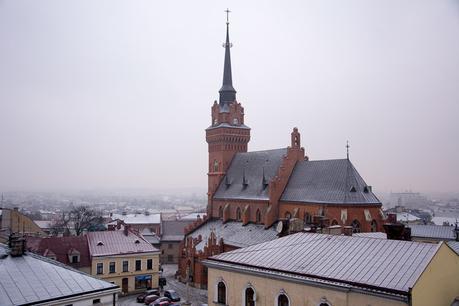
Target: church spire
[227, 92]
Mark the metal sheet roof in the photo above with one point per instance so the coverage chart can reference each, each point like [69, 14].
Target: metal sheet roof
[32, 278]
[454, 245]
[368, 262]
[252, 165]
[116, 243]
[433, 231]
[173, 230]
[234, 233]
[327, 181]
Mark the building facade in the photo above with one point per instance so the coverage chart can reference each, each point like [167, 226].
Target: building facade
[13, 221]
[124, 258]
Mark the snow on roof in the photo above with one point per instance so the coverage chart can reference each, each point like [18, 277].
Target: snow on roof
[116, 242]
[139, 218]
[43, 224]
[441, 220]
[193, 216]
[404, 217]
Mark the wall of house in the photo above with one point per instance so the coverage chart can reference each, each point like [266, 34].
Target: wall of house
[118, 276]
[106, 299]
[439, 282]
[16, 222]
[170, 252]
[267, 289]
[333, 212]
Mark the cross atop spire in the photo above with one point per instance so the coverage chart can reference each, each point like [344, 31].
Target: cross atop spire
[227, 92]
[347, 148]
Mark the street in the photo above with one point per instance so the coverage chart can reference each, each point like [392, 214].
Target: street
[196, 296]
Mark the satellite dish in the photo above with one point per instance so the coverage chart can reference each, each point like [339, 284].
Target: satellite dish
[279, 227]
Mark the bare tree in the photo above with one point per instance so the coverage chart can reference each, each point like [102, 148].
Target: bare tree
[81, 218]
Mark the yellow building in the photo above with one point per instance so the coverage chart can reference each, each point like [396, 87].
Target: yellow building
[13, 221]
[308, 269]
[125, 259]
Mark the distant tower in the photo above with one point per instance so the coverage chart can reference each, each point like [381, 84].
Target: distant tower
[227, 133]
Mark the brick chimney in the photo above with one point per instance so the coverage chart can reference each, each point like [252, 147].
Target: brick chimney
[347, 230]
[16, 244]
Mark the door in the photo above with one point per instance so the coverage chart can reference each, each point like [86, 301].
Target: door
[125, 285]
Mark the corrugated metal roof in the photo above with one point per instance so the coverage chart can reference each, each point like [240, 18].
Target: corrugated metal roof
[454, 245]
[251, 165]
[234, 233]
[378, 235]
[327, 181]
[32, 278]
[433, 231]
[116, 242]
[374, 263]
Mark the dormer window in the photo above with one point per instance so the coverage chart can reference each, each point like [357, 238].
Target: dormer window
[100, 243]
[353, 189]
[137, 241]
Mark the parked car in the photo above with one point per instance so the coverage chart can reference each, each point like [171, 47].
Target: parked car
[172, 295]
[161, 301]
[150, 299]
[141, 297]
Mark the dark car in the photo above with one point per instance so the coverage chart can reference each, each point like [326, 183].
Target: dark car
[141, 297]
[161, 301]
[150, 299]
[172, 295]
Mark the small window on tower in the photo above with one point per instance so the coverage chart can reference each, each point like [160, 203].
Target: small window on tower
[235, 121]
[215, 121]
[215, 166]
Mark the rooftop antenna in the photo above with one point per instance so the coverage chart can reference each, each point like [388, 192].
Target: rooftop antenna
[227, 11]
[347, 149]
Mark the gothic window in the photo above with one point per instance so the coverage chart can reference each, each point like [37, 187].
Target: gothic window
[238, 214]
[373, 226]
[288, 215]
[249, 297]
[235, 121]
[221, 293]
[334, 222]
[220, 212]
[355, 226]
[307, 218]
[258, 216]
[282, 300]
[215, 166]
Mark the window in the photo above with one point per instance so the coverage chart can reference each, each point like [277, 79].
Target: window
[355, 226]
[112, 267]
[138, 265]
[170, 246]
[282, 300]
[149, 264]
[221, 293]
[125, 266]
[220, 212]
[215, 121]
[258, 216]
[75, 259]
[96, 301]
[238, 214]
[374, 226]
[100, 268]
[143, 282]
[235, 121]
[215, 166]
[170, 258]
[334, 222]
[288, 215]
[249, 297]
[307, 218]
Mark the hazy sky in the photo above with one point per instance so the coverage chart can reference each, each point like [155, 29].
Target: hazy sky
[117, 94]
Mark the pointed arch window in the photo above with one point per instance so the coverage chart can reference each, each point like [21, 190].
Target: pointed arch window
[307, 218]
[215, 165]
[220, 212]
[238, 214]
[334, 222]
[355, 226]
[221, 293]
[258, 216]
[373, 226]
[288, 215]
[282, 300]
[249, 296]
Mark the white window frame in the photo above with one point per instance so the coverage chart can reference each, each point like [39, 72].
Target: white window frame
[247, 286]
[218, 280]
[276, 298]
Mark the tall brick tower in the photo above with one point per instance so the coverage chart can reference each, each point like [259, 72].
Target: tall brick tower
[227, 133]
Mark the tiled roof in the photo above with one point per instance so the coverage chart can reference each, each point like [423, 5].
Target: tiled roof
[454, 245]
[30, 279]
[327, 181]
[252, 165]
[60, 247]
[234, 233]
[433, 231]
[116, 242]
[139, 218]
[374, 263]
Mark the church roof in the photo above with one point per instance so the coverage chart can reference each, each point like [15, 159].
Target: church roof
[328, 181]
[251, 166]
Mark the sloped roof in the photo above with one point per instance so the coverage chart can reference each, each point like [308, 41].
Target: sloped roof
[31, 278]
[116, 242]
[433, 231]
[60, 247]
[234, 233]
[252, 165]
[375, 263]
[327, 181]
[454, 245]
[173, 230]
[378, 235]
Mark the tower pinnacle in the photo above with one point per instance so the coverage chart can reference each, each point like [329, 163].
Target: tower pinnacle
[227, 92]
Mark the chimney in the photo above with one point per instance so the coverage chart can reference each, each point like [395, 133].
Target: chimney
[295, 225]
[16, 244]
[126, 230]
[347, 230]
[391, 218]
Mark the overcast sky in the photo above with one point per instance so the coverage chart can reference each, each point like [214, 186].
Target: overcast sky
[117, 94]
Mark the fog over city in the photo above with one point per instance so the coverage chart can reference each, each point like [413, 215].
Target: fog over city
[117, 94]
